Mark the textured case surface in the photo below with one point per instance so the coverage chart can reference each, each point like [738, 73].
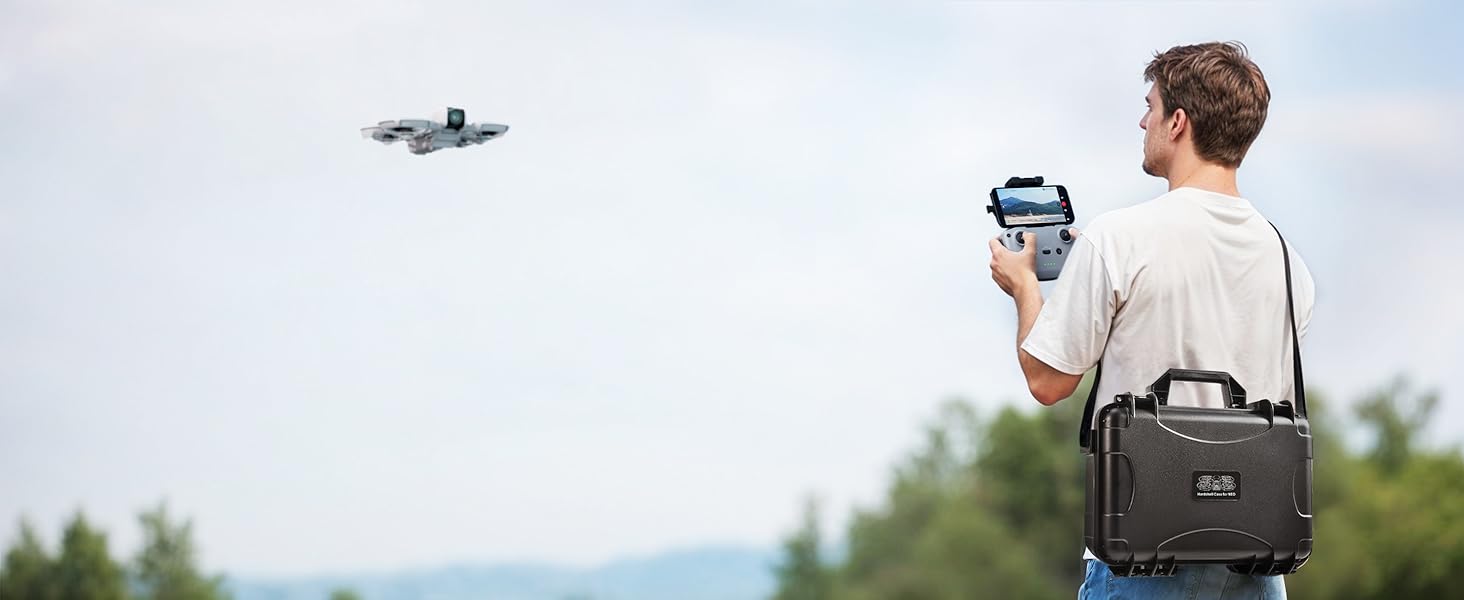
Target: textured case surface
[1170, 485]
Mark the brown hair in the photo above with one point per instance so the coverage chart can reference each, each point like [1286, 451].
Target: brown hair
[1222, 92]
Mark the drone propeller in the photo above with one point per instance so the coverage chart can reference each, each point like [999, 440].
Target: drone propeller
[380, 135]
[406, 128]
[489, 131]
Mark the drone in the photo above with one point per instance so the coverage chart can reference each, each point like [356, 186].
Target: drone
[424, 136]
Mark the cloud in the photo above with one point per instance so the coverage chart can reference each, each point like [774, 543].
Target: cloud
[1407, 130]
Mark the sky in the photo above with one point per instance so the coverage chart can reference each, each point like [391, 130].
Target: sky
[729, 255]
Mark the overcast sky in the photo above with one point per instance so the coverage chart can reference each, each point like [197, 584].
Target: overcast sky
[726, 256]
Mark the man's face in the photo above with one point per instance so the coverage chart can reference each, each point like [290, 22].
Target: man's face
[1157, 148]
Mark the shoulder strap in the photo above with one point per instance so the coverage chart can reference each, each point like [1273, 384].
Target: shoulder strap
[1085, 427]
[1298, 382]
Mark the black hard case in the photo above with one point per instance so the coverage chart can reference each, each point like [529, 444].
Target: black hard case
[1144, 515]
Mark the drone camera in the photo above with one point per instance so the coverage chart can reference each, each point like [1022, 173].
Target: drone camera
[456, 118]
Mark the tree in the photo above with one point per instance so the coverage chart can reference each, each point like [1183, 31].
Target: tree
[28, 570]
[344, 594]
[1392, 524]
[803, 574]
[882, 540]
[85, 570]
[960, 519]
[1030, 477]
[166, 566]
[1396, 417]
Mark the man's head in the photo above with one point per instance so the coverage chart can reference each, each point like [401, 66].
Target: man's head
[1208, 100]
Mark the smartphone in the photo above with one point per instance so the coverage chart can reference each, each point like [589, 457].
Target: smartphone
[1031, 206]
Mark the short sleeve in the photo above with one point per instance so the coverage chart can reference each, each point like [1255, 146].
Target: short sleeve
[1072, 329]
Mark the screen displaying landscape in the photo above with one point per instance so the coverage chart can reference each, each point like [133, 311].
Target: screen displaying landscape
[1030, 206]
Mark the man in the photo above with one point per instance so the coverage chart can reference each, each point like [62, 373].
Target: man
[1192, 279]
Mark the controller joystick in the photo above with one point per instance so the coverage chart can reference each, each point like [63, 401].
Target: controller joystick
[1065, 234]
[1020, 241]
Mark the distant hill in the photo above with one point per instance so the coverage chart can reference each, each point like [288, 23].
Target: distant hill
[1013, 206]
[709, 573]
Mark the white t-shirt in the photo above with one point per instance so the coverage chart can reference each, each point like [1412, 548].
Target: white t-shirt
[1192, 279]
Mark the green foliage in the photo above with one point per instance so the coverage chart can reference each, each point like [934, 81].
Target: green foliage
[1031, 478]
[977, 512]
[344, 594]
[803, 574]
[85, 570]
[167, 564]
[993, 509]
[1393, 522]
[1395, 418]
[28, 569]
[880, 539]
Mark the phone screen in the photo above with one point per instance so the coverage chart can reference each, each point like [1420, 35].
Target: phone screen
[1032, 206]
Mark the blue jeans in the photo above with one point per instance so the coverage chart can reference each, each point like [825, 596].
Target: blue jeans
[1190, 582]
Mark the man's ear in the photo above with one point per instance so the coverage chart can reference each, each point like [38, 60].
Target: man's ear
[1179, 121]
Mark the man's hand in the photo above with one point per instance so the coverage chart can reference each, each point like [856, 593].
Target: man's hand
[1014, 272]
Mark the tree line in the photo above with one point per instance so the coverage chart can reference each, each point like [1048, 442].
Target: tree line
[988, 506]
[83, 568]
[991, 506]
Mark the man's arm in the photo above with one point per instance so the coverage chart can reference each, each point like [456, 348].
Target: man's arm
[1015, 273]
[1048, 385]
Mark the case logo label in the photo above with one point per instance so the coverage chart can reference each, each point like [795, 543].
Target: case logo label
[1216, 485]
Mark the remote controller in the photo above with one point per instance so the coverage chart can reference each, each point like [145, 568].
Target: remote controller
[1054, 244]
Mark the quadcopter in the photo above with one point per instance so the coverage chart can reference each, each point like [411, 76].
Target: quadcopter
[423, 135]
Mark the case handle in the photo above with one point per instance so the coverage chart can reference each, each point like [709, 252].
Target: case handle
[1233, 391]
